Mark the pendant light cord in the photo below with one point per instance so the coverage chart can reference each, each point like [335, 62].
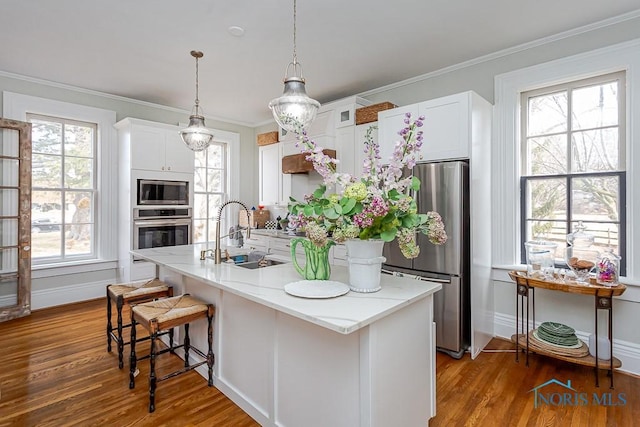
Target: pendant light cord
[197, 100]
[295, 56]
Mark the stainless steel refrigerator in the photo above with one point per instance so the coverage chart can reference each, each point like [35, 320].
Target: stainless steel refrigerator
[444, 189]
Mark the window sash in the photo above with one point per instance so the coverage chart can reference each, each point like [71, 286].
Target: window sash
[64, 189]
[569, 177]
[208, 194]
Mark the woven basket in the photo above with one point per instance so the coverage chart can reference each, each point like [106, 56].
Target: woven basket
[370, 114]
[268, 138]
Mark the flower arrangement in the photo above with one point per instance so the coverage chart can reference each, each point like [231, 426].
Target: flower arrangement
[377, 205]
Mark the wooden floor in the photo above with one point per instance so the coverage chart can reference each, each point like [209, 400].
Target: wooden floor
[55, 371]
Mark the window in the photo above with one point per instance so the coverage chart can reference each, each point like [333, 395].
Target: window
[573, 162]
[210, 184]
[63, 189]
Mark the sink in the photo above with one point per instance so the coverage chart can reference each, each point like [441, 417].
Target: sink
[252, 265]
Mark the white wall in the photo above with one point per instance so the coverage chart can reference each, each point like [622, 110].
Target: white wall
[51, 287]
[479, 76]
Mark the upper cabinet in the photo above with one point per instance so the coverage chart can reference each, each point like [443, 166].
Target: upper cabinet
[274, 186]
[447, 129]
[156, 147]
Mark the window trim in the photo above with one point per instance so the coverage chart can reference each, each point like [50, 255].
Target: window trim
[506, 156]
[16, 106]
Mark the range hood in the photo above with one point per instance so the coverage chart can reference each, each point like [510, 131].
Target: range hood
[297, 163]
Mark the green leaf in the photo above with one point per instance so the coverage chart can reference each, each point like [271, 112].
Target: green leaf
[394, 194]
[338, 209]
[308, 210]
[348, 205]
[317, 209]
[320, 191]
[389, 235]
[415, 183]
[291, 199]
[331, 213]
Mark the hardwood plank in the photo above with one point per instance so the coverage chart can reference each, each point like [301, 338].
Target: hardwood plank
[494, 390]
[56, 372]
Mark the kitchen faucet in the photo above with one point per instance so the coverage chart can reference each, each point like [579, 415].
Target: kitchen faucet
[217, 253]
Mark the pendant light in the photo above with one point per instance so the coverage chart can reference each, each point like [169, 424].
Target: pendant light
[196, 136]
[294, 108]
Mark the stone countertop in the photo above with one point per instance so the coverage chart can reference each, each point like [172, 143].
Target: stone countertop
[344, 314]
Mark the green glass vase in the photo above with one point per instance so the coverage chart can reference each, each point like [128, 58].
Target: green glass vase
[317, 259]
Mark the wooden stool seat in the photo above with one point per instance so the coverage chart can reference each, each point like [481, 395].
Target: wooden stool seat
[163, 315]
[126, 294]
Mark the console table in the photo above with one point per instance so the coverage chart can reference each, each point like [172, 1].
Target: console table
[603, 301]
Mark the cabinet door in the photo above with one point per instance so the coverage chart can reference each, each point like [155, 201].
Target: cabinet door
[446, 128]
[390, 122]
[345, 150]
[270, 175]
[147, 149]
[359, 154]
[178, 157]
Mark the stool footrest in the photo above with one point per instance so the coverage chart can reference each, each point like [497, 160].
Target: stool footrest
[181, 371]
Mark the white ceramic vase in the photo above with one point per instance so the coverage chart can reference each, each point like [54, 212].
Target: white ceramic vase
[365, 264]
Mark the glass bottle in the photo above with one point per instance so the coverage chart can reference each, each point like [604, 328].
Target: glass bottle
[580, 255]
[608, 268]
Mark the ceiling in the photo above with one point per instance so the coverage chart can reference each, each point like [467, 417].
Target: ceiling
[140, 49]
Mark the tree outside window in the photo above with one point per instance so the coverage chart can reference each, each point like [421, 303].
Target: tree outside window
[209, 190]
[63, 189]
[573, 162]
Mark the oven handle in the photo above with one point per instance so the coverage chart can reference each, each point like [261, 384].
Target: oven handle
[164, 221]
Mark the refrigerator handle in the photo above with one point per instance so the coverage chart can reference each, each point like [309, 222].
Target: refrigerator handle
[416, 277]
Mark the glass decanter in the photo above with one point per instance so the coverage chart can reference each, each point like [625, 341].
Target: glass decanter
[580, 256]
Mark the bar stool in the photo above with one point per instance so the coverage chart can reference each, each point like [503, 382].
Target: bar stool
[164, 315]
[127, 294]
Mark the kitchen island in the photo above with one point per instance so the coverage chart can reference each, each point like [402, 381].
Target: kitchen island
[355, 360]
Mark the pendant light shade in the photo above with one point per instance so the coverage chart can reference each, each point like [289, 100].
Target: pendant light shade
[196, 136]
[294, 109]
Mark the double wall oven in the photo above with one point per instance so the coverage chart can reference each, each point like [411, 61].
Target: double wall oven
[163, 214]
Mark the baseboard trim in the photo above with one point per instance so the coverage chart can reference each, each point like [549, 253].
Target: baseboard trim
[627, 352]
[61, 295]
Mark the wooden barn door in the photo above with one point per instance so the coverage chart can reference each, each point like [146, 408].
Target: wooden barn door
[15, 219]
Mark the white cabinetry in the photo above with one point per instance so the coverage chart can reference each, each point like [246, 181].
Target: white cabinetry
[446, 129]
[350, 147]
[147, 150]
[158, 147]
[358, 148]
[274, 186]
[389, 123]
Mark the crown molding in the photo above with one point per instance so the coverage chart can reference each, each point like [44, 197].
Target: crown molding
[116, 97]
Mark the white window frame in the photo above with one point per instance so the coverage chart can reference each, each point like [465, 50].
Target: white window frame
[506, 161]
[16, 106]
[232, 190]
[208, 192]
